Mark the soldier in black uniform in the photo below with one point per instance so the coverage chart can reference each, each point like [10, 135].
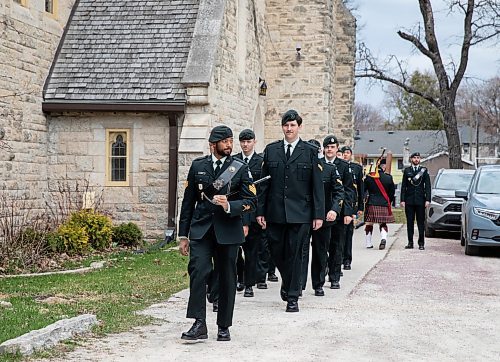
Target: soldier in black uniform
[292, 202]
[337, 241]
[255, 234]
[218, 192]
[380, 189]
[334, 198]
[415, 197]
[356, 171]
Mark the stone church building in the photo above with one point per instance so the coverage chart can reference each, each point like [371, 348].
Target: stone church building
[124, 93]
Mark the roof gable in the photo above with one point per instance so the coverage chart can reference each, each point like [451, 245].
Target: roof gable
[124, 51]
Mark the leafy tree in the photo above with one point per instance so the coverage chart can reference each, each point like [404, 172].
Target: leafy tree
[481, 20]
[415, 112]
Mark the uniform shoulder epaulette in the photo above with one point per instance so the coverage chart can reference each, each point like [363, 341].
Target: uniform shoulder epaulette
[274, 142]
[343, 161]
[311, 146]
[202, 158]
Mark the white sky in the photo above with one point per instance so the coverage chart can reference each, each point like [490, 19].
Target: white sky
[378, 22]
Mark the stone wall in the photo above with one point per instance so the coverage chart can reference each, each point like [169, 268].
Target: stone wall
[77, 151]
[311, 80]
[28, 40]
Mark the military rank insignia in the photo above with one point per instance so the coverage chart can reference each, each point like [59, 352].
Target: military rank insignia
[320, 167]
[339, 181]
[252, 189]
[246, 207]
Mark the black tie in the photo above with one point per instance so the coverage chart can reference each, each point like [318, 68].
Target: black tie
[288, 151]
[246, 160]
[217, 168]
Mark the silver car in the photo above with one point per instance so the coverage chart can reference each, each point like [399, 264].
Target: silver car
[481, 210]
[445, 209]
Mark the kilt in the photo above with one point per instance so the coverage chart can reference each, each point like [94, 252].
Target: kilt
[378, 214]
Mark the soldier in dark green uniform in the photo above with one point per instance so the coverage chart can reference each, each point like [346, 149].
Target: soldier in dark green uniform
[415, 197]
[292, 202]
[356, 171]
[218, 192]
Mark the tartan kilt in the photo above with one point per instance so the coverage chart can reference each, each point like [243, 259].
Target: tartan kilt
[378, 214]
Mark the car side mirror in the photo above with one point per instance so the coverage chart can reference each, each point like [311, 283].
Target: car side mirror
[461, 194]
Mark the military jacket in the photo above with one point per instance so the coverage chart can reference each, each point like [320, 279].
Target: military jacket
[356, 171]
[415, 191]
[295, 192]
[255, 168]
[349, 190]
[375, 196]
[198, 214]
[334, 191]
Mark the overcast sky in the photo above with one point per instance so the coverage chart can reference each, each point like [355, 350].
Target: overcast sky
[379, 20]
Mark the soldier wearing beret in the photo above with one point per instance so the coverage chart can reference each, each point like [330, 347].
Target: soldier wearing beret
[337, 240]
[356, 171]
[292, 202]
[415, 197]
[255, 235]
[218, 193]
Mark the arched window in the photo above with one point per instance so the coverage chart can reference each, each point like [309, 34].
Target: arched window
[117, 163]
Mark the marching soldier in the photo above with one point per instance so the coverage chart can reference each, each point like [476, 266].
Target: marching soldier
[356, 171]
[380, 189]
[254, 238]
[337, 241]
[415, 197]
[291, 203]
[218, 192]
[334, 196]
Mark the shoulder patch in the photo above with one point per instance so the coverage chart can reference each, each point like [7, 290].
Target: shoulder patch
[252, 189]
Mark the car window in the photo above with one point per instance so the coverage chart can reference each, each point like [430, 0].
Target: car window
[487, 182]
[454, 181]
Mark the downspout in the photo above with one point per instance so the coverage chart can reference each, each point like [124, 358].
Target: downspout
[173, 166]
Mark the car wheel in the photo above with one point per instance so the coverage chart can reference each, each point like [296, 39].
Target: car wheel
[470, 249]
[429, 232]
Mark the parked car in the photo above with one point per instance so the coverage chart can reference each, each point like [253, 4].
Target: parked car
[445, 209]
[481, 210]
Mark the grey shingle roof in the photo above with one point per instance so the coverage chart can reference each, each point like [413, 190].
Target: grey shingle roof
[124, 50]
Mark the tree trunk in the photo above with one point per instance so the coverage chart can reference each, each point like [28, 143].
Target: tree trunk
[451, 130]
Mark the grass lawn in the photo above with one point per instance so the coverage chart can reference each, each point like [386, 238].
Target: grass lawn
[128, 283]
[399, 215]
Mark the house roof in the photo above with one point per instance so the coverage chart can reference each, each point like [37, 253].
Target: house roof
[123, 51]
[426, 142]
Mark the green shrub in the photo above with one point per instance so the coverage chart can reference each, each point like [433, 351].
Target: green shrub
[127, 234]
[97, 226]
[72, 238]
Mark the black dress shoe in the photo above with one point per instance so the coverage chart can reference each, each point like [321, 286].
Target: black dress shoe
[197, 331]
[248, 292]
[421, 247]
[292, 306]
[240, 287]
[347, 266]
[382, 244]
[223, 334]
[319, 292]
[335, 285]
[215, 306]
[272, 277]
[409, 246]
[284, 295]
[262, 285]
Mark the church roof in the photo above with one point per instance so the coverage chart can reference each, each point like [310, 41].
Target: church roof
[123, 51]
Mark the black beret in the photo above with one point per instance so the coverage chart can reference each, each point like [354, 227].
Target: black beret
[246, 134]
[415, 154]
[314, 142]
[346, 148]
[330, 140]
[291, 115]
[220, 133]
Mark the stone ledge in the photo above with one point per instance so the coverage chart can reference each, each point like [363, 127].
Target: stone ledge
[49, 336]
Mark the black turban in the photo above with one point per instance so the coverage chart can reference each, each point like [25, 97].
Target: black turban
[247, 134]
[220, 133]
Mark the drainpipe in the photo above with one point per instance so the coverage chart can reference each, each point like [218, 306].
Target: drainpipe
[173, 166]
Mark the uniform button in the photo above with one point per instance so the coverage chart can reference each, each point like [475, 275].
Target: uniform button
[285, 197]
[287, 167]
[286, 187]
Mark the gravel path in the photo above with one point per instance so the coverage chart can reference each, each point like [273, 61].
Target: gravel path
[396, 304]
